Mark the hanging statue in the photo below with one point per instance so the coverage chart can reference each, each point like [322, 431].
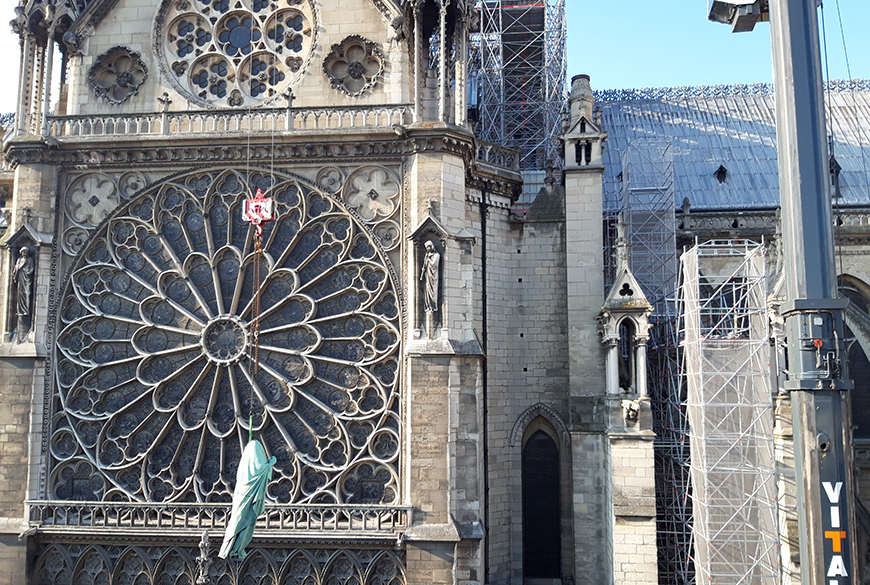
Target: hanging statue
[255, 471]
[429, 276]
[249, 500]
[22, 276]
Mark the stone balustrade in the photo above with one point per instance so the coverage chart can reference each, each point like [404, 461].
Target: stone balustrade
[498, 155]
[221, 121]
[342, 520]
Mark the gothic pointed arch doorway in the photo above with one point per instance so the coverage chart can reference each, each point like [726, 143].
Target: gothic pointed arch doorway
[541, 501]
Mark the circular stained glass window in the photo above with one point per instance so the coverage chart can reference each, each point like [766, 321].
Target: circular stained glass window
[235, 53]
[153, 358]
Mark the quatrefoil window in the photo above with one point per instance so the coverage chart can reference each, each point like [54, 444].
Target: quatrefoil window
[247, 53]
[154, 359]
[117, 75]
[354, 65]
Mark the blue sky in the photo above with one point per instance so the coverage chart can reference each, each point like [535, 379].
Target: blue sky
[656, 43]
[634, 43]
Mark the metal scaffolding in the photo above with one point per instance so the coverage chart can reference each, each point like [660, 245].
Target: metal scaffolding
[730, 411]
[519, 68]
[647, 206]
[648, 203]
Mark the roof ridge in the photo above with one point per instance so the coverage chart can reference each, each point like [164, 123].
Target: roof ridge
[714, 91]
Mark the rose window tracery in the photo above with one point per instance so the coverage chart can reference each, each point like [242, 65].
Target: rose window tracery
[239, 53]
[354, 65]
[153, 356]
[117, 75]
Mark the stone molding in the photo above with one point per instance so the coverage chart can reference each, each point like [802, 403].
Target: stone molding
[862, 452]
[22, 350]
[321, 146]
[382, 5]
[853, 228]
[327, 145]
[443, 346]
[539, 409]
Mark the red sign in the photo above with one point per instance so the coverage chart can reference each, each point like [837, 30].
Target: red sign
[258, 210]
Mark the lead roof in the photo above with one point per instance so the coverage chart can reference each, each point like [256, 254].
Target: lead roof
[701, 129]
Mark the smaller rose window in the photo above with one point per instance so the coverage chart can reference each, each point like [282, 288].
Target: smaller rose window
[354, 65]
[236, 54]
[117, 74]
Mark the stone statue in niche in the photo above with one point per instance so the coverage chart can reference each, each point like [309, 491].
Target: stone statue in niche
[22, 278]
[430, 277]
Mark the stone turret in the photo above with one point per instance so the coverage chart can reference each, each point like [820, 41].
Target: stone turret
[584, 138]
[609, 427]
[581, 101]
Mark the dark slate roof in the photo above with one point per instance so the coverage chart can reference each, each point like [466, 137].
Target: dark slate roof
[731, 126]
[549, 205]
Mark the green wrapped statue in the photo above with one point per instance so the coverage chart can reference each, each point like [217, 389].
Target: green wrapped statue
[249, 500]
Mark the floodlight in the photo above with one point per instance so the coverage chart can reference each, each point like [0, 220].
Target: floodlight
[740, 14]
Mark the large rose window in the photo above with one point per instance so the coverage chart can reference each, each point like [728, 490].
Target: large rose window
[239, 53]
[154, 353]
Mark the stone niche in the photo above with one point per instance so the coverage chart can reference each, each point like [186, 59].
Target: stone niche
[430, 247]
[22, 305]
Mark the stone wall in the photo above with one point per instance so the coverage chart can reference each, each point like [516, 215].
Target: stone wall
[16, 390]
[634, 508]
[526, 361]
[13, 559]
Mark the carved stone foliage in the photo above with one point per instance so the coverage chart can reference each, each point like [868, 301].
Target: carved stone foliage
[354, 65]
[117, 75]
[235, 52]
[69, 564]
[317, 150]
[154, 371]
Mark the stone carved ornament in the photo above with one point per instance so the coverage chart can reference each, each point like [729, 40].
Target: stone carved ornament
[63, 563]
[715, 91]
[354, 65]
[235, 52]
[117, 75]
[373, 191]
[153, 370]
[90, 198]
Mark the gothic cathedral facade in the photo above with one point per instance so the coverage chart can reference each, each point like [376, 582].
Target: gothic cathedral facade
[436, 378]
